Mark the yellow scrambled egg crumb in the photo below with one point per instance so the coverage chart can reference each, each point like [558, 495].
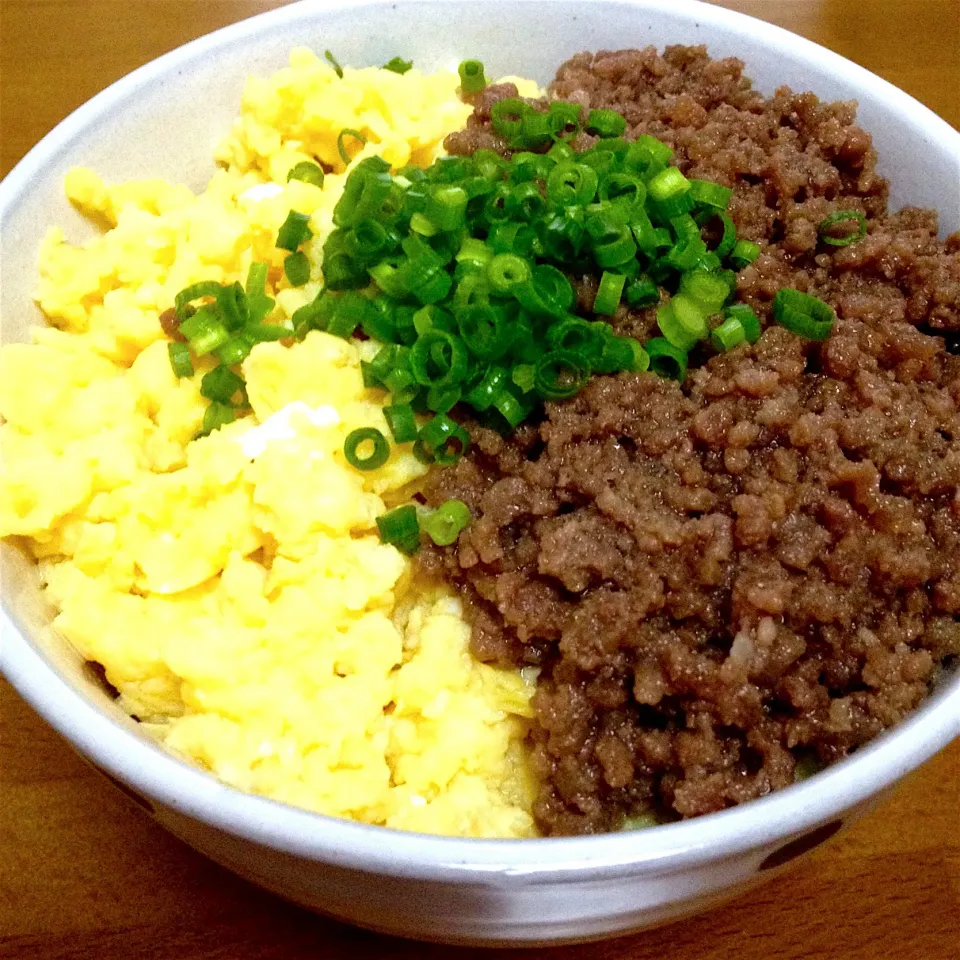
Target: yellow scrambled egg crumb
[233, 586]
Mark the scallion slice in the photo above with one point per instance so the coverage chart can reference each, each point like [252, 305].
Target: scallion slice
[744, 252]
[341, 145]
[207, 288]
[216, 416]
[472, 79]
[505, 271]
[609, 293]
[747, 318]
[666, 360]
[668, 183]
[294, 231]
[308, 172]
[399, 528]
[398, 65]
[180, 359]
[446, 523]
[642, 292]
[711, 195]
[560, 373]
[444, 439]
[235, 350]
[296, 267]
[332, 60]
[842, 216]
[728, 335]
[802, 314]
[204, 331]
[379, 453]
[605, 123]
[221, 384]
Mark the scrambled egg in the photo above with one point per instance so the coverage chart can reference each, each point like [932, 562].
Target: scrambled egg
[233, 586]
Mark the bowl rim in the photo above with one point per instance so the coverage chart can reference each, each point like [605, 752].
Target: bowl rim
[149, 769]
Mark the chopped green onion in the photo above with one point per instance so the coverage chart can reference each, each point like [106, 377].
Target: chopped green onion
[842, 216]
[442, 398]
[294, 231]
[668, 183]
[180, 359]
[398, 65]
[641, 359]
[235, 350]
[802, 314]
[481, 397]
[513, 410]
[728, 238]
[524, 376]
[572, 183]
[257, 280]
[473, 250]
[347, 312]
[472, 79]
[341, 147]
[576, 336]
[564, 120]
[260, 332]
[536, 130]
[232, 305]
[623, 190]
[296, 267]
[485, 330]
[546, 293]
[747, 318]
[642, 292]
[605, 123]
[507, 117]
[399, 528]
[221, 384]
[438, 359]
[308, 172]
[505, 271]
[445, 524]
[423, 225]
[433, 317]
[439, 434]
[461, 270]
[612, 240]
[707, 290]
[681, 322]
[666, 360]
[710, 194]
[446, 206]
[560, 374]
[204, 331]
[207, 288]
[609, 293]
[744, 252]
[526, 202]
[728, 335]
[216, 416]
[334, 63]
[377, 457]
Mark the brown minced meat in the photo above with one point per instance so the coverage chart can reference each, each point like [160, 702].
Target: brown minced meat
[758, 568]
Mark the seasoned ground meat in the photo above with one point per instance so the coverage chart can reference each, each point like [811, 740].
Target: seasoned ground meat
[759, 566]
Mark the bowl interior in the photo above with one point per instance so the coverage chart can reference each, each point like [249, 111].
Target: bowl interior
[166, 119]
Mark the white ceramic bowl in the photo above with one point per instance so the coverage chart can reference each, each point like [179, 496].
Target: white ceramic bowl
[165, 119]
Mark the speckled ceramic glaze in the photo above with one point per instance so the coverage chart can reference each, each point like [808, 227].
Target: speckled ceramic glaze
[165, 119]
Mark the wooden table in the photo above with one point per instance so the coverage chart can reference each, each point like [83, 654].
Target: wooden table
[85, 875]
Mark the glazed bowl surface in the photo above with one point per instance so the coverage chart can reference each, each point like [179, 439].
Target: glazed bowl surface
[165, 119]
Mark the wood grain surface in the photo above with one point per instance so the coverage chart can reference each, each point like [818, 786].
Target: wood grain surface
[86, 875]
